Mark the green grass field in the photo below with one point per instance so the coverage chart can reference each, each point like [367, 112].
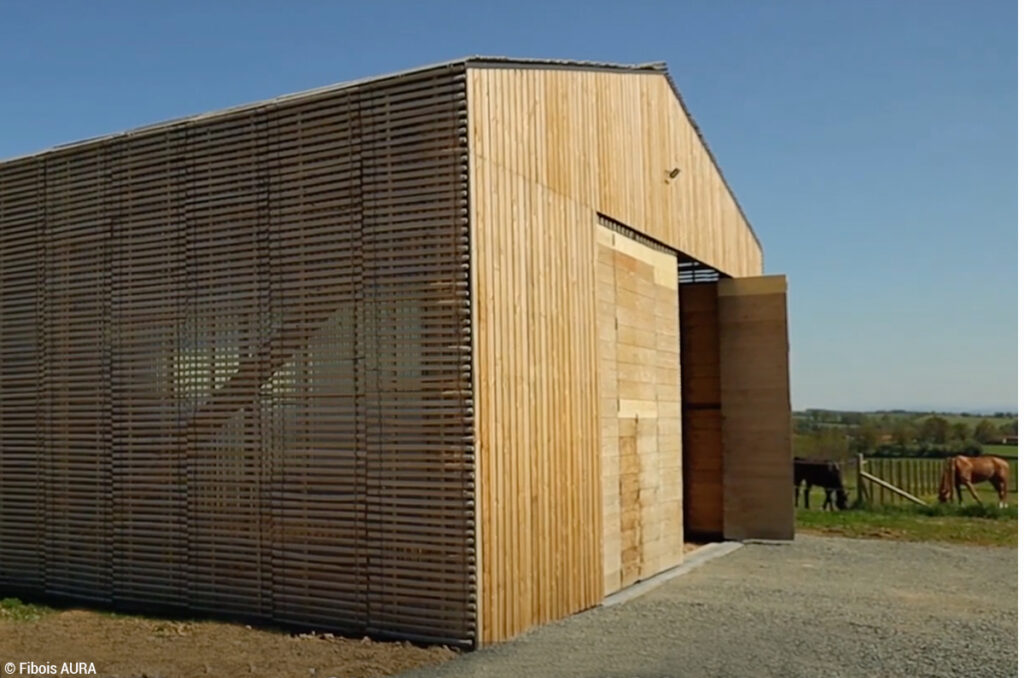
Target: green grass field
[1001, 450]
[985, 525]
[982, 526]
[986, 493]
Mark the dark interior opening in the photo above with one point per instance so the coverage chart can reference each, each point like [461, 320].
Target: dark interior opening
[700, 400]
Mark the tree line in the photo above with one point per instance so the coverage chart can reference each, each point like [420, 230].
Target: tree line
[897, 434]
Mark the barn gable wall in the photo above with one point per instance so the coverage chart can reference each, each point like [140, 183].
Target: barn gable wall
[609, 141]
[550, 150]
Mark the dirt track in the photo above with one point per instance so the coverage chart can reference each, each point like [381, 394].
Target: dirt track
[133, 647]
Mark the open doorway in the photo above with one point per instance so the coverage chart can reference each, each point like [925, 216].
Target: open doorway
[703, 492]
[734, 354]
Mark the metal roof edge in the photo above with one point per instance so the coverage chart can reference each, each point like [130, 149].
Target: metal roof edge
[478, 61]
[481, 61]
[240, 108]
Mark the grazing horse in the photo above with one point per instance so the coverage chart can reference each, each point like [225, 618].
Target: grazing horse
[961, 470]
[825, 474]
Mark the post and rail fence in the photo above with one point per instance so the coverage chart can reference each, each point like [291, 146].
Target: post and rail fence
[885, 481]
[899, 480]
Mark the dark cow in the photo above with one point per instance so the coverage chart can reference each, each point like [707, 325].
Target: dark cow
[826, 474]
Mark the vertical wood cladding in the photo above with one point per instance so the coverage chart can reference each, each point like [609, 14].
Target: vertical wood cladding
[536, 369]
[235, 364]
[550, 149]
[607, 141]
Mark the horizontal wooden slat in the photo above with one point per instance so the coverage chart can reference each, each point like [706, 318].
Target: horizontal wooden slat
[235, 364]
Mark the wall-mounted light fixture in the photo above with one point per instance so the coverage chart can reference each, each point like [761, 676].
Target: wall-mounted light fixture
[671, 174]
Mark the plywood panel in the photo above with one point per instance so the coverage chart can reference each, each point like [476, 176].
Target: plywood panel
[641, 445]
[607, 140]
[756, 429]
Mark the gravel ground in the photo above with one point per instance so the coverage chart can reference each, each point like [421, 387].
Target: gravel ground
[817, 607]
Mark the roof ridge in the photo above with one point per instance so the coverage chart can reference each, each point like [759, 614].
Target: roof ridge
[484, 61]
[477, 60]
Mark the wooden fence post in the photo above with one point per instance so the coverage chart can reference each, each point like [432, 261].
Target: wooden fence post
[861, 494]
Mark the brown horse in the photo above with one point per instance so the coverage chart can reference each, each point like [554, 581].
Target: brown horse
[961, 470]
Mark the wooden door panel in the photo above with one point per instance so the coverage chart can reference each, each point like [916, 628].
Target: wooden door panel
[756, 415]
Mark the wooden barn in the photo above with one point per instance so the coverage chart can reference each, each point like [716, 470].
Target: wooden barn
[439, 355]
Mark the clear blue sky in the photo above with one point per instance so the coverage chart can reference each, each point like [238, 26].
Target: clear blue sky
[872, 144]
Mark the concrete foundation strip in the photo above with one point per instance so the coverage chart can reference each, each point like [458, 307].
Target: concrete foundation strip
[691, 561]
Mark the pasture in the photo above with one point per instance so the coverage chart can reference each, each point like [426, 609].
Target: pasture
[1008, 451]
[980, 526]
[920, 477]
[984, 525]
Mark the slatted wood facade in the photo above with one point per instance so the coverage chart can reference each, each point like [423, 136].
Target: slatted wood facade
[336, 359]
[235, 364]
